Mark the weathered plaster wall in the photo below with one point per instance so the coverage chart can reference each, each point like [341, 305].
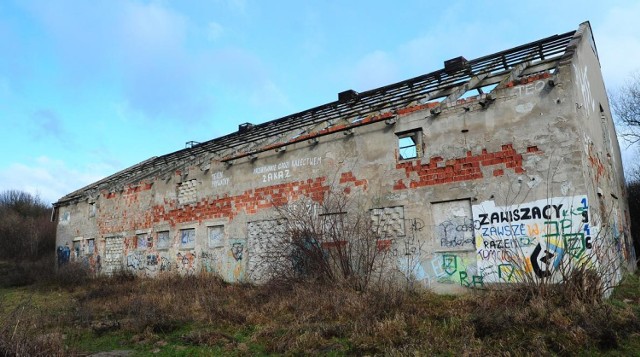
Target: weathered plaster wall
[602, 165]
[536, 142]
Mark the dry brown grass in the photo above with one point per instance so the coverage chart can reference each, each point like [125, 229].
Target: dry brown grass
[311, 318]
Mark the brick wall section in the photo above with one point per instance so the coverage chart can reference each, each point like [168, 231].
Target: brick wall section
[251, 201]
[440, 171]
[529, 79]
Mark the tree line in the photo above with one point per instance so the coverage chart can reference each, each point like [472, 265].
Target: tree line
[26, 230]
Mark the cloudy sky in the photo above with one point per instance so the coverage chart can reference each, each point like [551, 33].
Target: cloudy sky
[88, 88]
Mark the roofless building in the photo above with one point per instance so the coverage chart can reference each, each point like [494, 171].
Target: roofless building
[482, 171]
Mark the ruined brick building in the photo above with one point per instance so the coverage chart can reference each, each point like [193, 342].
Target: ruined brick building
[516, 149]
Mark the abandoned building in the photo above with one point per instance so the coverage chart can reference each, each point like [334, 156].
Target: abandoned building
[483, 171]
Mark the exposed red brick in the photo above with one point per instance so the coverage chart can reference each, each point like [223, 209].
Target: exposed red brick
[383, 245]
[251, 201]
[461, 168]
[399, 185]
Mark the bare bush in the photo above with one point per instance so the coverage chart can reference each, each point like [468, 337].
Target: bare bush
[331, 241]
[625, 102]
[22, 334]
[633, 194]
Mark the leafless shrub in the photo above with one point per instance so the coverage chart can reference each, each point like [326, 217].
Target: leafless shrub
[72, 275]
[332, 241]
[633, 195]
[22, 334]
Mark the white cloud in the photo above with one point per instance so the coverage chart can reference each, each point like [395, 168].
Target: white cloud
[50, 179]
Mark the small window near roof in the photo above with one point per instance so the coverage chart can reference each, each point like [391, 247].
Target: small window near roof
[410, 145]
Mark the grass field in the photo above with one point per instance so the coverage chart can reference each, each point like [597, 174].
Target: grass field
[73, 314]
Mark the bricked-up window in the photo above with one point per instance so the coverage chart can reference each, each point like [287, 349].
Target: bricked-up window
[388, 221]
[164, 241]
[187, 191]
[216, 236]
[188, 238]
[409, 145]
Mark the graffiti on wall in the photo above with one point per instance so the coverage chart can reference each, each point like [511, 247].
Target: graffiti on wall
[456, 268]
[210, 261]
[284, 169]
[454, 225]
[165, 263]
[407, 251]
[531, 238]
[186, 262]
[63, 253]
[584, 86]
[218, 179]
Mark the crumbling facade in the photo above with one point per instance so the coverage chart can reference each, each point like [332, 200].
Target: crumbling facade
[511, 154]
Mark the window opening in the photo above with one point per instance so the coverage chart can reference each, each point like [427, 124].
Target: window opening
[188, 238]
[164, 241]
[216, 236]
[91, 246]
[77, 246]
[141, 241]
[410, 145]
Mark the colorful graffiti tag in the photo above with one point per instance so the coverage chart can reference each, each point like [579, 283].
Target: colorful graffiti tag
[64, 253]
[532, 237]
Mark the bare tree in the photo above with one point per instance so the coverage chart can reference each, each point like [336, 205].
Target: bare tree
[626, 106]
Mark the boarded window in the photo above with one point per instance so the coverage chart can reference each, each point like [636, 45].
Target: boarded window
[453, 225]
[216, 236]
[188, 238]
